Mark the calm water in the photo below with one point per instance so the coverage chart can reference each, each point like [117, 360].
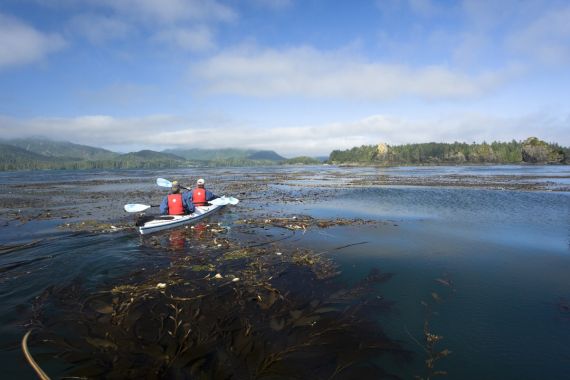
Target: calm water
[502, 259]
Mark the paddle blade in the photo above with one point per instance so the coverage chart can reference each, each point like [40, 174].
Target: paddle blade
[219, 201]
[136, 207]
[163, 182]
[233, 201]
[224, 201]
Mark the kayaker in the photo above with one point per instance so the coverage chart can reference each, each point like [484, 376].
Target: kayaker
[176, 203]
[199, 196]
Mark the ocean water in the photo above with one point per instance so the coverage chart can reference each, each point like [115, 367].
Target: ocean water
[485, 269]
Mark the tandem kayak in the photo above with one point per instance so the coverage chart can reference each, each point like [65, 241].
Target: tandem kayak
[164, 222]
[149, 224]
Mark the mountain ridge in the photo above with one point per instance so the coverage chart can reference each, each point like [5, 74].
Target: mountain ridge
[43, 153]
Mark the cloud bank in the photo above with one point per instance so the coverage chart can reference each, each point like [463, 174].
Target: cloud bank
[166, 131]
[308, 72]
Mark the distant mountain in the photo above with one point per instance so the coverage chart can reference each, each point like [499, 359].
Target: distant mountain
[40, 154]
[302, 160]
[62, 149]
[14, 153]
[55, 156]
[15, 158]
[211, 154]
[265, 155]
[226, 154]
[145, 155]
[148, 159]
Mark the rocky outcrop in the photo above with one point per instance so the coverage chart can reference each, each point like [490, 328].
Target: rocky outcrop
[536, 151]
[382, 149]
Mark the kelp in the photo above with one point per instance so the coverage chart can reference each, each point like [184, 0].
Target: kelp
[236, 312]
[430, 340]
[94, 226]
[302, 222]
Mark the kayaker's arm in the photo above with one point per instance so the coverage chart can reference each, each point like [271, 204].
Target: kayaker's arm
[164, 206]
[210, 196]
[187, 203]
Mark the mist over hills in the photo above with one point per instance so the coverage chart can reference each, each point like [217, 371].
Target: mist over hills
[42, 153]
[225, 153]
[63, 149]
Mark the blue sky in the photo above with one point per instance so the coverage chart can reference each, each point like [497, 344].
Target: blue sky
[298, 77]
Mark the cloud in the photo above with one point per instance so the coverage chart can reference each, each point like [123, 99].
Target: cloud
[308, 72]
[197, 39]
[99, 29]
[546, 39]
[488, 14]
[168, 131]
[274, 4]
[182, 24]
[168, 11]
[22, 44]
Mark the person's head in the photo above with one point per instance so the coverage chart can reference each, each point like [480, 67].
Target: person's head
[200, 182]
[175, 187]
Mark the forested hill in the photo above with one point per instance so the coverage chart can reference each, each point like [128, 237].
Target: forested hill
[45, 154]
[532, 150]
[61, 149]
[219, 155]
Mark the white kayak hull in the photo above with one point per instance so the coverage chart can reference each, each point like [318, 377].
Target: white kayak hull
[174, 221]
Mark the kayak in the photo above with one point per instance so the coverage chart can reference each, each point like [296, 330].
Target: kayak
[164, 222]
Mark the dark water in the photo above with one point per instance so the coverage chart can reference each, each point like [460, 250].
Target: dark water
[492, 265]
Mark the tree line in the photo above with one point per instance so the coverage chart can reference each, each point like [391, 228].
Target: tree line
[531, 150]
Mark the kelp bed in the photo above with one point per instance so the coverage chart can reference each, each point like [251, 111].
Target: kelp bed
[221, 310]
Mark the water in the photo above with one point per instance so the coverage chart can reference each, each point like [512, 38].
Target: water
[496, 259]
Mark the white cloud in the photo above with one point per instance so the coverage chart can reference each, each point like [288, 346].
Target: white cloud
[308, 72]
[162, 131]
[546, 39]
[22, 44]
[168, 11]
[96, 130]
[99, 29]
[195, 39]
[488, 14]
[183, 24]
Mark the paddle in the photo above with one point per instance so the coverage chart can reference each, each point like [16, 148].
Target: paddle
[136, 207]
[227, 200]
[166, 183]
[222, 201]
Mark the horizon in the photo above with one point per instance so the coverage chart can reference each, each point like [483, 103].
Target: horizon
[296, 78]
[168, 150]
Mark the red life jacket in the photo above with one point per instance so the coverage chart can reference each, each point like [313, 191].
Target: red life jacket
[175, 206]
[199, 197]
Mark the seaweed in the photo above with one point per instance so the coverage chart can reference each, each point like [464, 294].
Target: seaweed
[430, 340]
[226, 313]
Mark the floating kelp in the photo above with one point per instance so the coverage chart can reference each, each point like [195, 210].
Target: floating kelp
[237, 313]
[93, 226]
[429, 343]
[302, 222]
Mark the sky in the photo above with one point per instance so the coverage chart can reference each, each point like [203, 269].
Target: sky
[298, 77]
